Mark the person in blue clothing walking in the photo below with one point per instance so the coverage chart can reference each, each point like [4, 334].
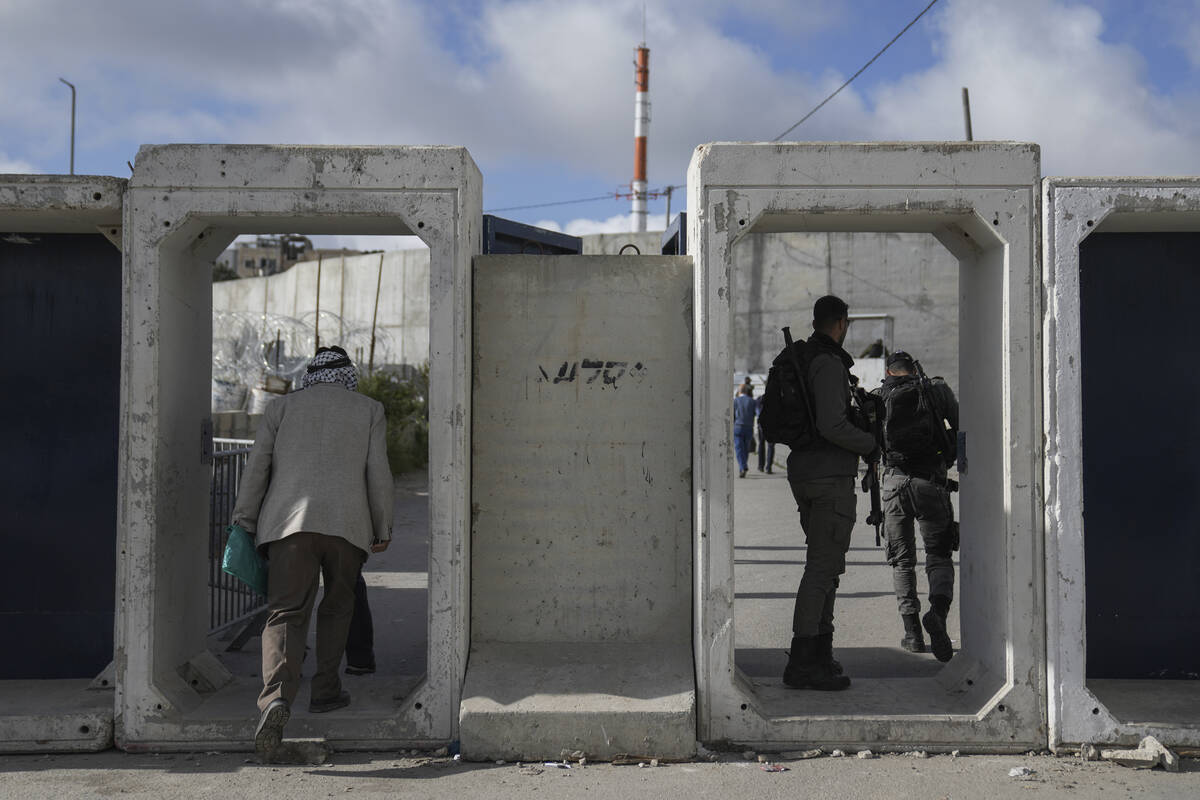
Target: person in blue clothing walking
[744, 410]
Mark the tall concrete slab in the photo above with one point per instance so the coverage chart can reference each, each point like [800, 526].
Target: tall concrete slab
[980, 201]
[60, 276]
[185, 204]
[1121, 550]
[581, 572]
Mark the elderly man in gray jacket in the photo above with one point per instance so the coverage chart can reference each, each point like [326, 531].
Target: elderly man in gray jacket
[317, 495]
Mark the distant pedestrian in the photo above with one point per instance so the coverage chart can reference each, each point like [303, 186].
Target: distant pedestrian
[766, 450]
[744, 411]
[317, 494]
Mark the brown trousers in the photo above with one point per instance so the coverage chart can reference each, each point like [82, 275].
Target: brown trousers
[295, 562]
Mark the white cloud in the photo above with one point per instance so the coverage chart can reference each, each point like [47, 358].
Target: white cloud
[535, 80]
[620, 223]
[550, 84]
[15, 166]
[1040, 71]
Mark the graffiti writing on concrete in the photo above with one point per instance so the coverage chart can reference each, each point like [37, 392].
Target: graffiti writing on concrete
[589, 371]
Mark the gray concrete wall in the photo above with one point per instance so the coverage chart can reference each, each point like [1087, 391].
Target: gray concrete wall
[348, 291]
[909, 276]
[778, 276]
[348, 287]
[581, 486]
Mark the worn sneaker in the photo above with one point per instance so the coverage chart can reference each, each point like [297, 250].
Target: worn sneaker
[329, 703]
[353, 670]
[269, 732]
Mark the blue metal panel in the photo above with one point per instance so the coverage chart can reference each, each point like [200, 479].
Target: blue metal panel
[60, 318]
[1140, 381]
[505, 237]
[674, 241]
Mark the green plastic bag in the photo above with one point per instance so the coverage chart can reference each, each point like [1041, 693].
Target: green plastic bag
[242, 561]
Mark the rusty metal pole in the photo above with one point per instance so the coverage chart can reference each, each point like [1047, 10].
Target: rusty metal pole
[318, 329]
[375, 316]
[967, 113]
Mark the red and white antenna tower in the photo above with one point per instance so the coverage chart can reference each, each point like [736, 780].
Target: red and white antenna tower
[641, 126]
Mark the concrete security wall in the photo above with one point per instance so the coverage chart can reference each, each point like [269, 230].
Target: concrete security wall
[910, 277]
[979, 201]
[185, 204]
[62, 280]
[1083, 710]
[581, 489]
[348, 285]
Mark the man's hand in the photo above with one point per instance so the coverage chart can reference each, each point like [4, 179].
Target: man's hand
[379, 546]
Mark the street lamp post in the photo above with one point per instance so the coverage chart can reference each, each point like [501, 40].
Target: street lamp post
[68, 83]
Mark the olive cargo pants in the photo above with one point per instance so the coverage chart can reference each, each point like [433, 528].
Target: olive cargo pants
[826, 508]
[905, 499]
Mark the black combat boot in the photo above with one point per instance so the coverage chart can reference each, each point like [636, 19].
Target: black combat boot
[805, 670]
[825, 653]
[914, 640]
[935, 622]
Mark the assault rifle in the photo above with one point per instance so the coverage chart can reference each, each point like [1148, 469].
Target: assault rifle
[947, 447]
[871, 414]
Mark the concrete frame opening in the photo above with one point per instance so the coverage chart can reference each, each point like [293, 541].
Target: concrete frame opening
[60, 276]
[1119, 668]
[185, 204]
[978, 200]
[903, 291]
[375, 305]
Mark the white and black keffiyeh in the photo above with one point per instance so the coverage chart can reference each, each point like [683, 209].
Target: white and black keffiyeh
[345, 375]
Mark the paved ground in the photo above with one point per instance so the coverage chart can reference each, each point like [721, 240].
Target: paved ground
[769, 553]
[769, 560]
[114, 774]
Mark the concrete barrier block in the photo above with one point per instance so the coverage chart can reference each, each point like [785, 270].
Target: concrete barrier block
[185, 204]
[1084, 707]
[39, 214]
[980, 201]
[581, 486]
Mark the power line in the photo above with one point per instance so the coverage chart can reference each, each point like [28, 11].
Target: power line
[855, 75]
[611, 196]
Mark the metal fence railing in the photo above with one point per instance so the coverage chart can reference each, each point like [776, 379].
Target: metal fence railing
[230, 600]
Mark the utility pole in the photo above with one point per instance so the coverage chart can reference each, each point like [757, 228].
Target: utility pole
[668, 190]
[68, 83]
[967, 113]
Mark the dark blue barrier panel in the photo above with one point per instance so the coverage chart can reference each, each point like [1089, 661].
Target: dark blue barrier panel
[60, 318]
[505, 237]
[674, 241]
[1139, 328]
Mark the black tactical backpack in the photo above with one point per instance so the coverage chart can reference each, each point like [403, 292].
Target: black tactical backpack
[786, 416]
[913, 428]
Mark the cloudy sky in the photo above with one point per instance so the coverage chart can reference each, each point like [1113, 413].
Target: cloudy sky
[541, 91]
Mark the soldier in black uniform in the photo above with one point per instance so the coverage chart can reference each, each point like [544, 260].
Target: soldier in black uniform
[915, 487]
[821, 476]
